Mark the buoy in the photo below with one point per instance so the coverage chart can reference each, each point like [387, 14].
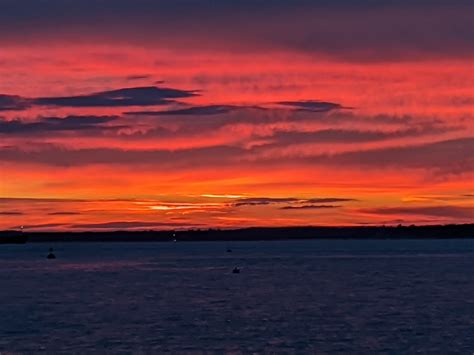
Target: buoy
[236, 270]
[51, 254]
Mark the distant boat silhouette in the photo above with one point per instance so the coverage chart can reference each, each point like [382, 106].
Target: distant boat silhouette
[236, 270]
[51, 254]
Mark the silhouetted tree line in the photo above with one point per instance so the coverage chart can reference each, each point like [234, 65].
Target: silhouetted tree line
[278, 233]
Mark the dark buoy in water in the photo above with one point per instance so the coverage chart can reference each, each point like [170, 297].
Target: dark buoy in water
[51, 254]
[236, 270]
[229, 250]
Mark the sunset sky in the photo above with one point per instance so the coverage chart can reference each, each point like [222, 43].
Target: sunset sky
[141, 114]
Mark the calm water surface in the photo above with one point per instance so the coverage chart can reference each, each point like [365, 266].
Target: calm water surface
[290, 297]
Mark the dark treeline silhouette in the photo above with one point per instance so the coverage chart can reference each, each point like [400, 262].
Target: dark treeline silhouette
[13, 237]
[259, 233]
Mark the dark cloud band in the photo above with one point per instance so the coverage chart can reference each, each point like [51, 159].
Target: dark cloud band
[136, 96]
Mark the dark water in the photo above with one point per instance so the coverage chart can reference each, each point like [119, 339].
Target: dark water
[290, 297]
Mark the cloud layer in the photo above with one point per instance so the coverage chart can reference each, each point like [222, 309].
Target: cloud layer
[370, 30]
[137, 96]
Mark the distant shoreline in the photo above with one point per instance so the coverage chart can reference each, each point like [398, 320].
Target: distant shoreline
[454, 231]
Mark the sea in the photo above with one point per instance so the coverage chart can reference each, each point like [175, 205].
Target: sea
[296, 297]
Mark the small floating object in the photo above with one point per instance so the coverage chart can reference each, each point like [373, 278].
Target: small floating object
[236, 270]
[51, 254]
[229, 250]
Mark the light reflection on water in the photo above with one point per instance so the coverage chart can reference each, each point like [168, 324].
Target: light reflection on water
[298, 296]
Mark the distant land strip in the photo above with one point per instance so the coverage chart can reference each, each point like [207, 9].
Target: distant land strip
[453, 231]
